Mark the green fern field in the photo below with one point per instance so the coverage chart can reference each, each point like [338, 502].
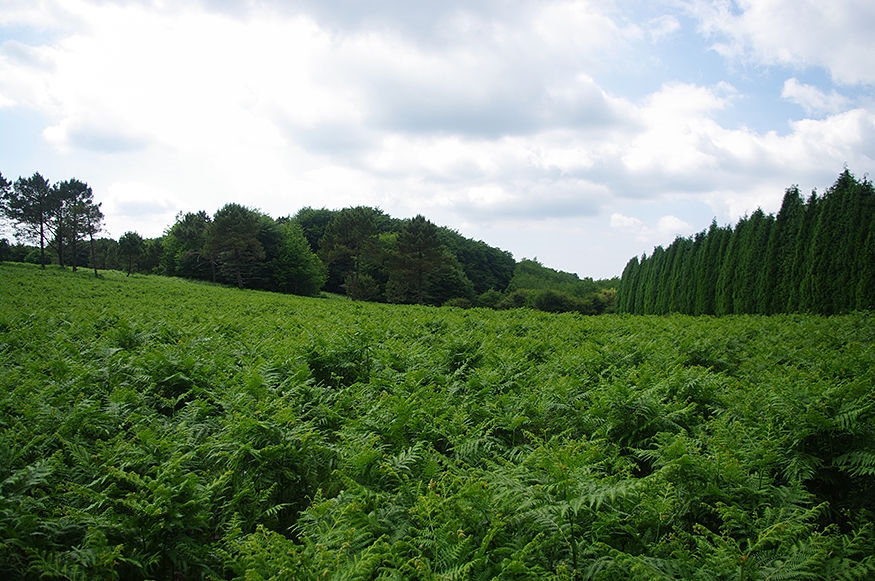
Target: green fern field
[154, 428]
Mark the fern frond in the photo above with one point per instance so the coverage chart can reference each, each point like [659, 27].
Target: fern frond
[27, 478]
[857, 463]
[776, 565]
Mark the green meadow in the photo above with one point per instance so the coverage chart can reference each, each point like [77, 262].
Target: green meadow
[156, 428]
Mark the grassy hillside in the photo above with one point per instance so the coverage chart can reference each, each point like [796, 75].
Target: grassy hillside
[157, 428]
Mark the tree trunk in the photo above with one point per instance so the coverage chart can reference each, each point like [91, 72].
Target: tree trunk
[60, 250]
[93, 256]
[42, 244]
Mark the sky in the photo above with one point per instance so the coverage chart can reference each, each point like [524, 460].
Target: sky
[578, 133]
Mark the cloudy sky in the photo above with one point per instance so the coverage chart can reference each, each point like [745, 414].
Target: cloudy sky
[581, 133]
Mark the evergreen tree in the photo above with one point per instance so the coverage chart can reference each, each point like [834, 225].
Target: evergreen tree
[76, 215]
[92, 224]
[232, 243]
[755, 287]
[781, 249]
[450, 281]
[628, 292]
[830, 263]
[864, 297]
[350, 240]
[417, 259]
[724, 299]
[650, 280]
[801, 292]
[674, 290]
[815, 256]
[707, 269]
[30, 204]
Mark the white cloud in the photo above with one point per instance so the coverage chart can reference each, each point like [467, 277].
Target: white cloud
[812, 99]
[663, 26]
[493, 116]
[125, 203]
[578, 28]
[625, 222]
[673, 226]
[834, 35]
[664, 230]
[678, 130]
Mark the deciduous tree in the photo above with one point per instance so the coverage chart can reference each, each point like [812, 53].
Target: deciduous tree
[184, 244]
[294, 267]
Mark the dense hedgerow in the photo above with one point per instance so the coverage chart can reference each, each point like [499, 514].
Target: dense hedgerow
[163, 429]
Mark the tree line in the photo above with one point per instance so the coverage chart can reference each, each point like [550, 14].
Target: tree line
[359, 252]
[365, 254]
[815, 255]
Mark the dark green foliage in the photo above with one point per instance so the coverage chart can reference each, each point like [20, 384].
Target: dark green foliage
[154, 428]
[130, 247]
[243, 247]
[417, 260]
[77, 218]
[32, 206]
[232, 243]
[58, 216]
[815, 256]
[348, 247]
[359, 251]
[313, 223]
[184, 244]
[487, 268]
[293, 267]
[546, 289]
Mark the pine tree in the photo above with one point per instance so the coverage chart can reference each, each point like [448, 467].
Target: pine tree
[860, 263]
[30, 204]
[232, 243]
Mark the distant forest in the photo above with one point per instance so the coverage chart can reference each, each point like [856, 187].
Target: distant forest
[814, 256]
[358, 252]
